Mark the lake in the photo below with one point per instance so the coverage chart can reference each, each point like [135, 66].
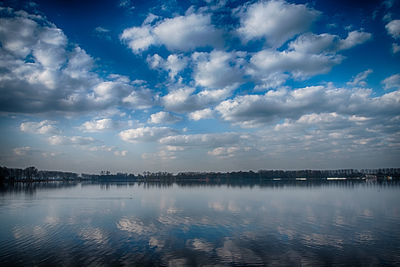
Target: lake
[275, 223]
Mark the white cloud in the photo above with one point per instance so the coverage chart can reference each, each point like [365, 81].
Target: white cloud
[150, 18]
[218, 69]
[240, 150]
[321, 136]
[203, 140]
[101, 148]
[306, 56]
[139, 38]
[393, 28]
[79, 64]
[310, 43]
[276, 21]
[187, 32]
[42, 72]
[140, 97]
[268, 80]
[73, 140]
[19, 35]
[392, 82]
[121, 153]
[179, 100]
[206, 113]
[146, 134]
[224, 152]
[160, 155]
[183, 99]
[354, 38]
[97, 125]
[50, 154]
[126, 4]
[163, 117]
[181, 33]
[102, 32]
[174, 63]
[300, 65]
[257, 110]
[359, 79]
[100, 29]
[43, 127]
[105, 148]
[110, 91]
[22, 151]
[155, 61]
[395, 48]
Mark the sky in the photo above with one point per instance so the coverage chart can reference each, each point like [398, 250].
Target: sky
[200, 85]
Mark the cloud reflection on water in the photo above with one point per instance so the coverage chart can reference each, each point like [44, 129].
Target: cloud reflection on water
[182, 226]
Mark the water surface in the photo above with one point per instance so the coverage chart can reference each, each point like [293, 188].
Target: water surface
[333, 223]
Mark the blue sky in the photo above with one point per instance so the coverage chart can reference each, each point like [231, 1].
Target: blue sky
[199, 85]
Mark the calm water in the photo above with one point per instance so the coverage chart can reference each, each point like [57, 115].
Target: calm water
[135, 224]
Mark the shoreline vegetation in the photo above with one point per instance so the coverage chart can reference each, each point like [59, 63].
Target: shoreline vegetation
[32, 174]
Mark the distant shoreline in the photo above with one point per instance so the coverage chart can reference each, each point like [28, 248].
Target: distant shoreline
[32, 174]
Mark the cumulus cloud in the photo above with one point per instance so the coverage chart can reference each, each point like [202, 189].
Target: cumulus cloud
[300, 65]
[354, 38]
[393, 28]
[174, 63]
[97, 125]
[187, 32]
[359, 79]
[163, 117]
[206, 113]
[43, 127]
[267, 80]
[310, 43]
[306, 56]
[146, 134]
[42, 72]
[275, 105]
[392, 82]
[324, 136]
[276, 21]
[140, 98]
[185, 100]
[138, 38]
[181, 33]
[218, 69]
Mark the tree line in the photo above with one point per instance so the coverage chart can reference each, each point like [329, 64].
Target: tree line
[33, 174]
